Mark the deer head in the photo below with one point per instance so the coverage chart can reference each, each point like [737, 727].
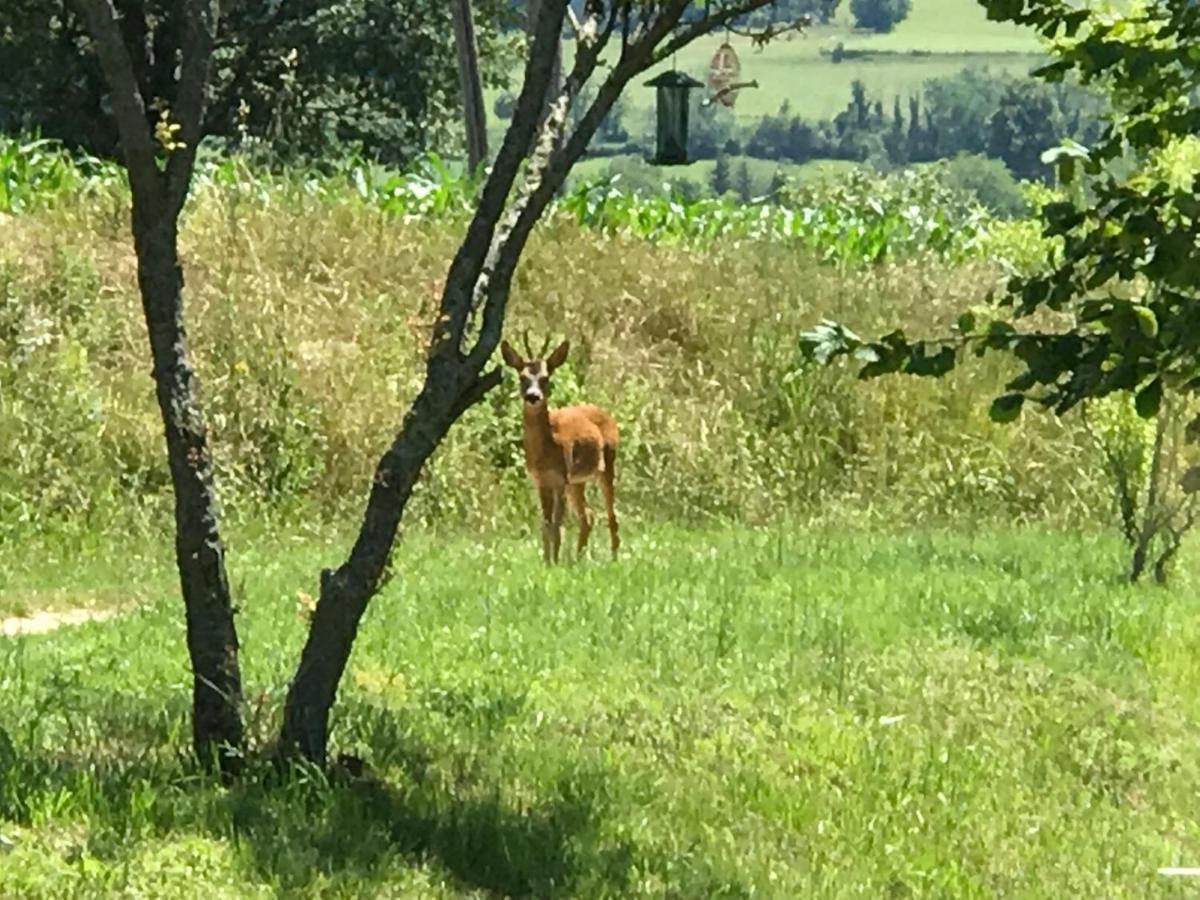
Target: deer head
[535, 370]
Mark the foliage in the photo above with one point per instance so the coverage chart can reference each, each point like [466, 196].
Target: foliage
[989, 181]
[788, 712]
[879, 15]
[298, 80]
[851, 221]
[1117, 309]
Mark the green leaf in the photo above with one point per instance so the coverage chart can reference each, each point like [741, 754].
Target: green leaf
[1006, 408]
[1149, 399]
[1147, 321]
[966, 322]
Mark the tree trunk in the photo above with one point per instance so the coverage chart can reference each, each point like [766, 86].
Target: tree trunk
[158, 195]
[345, 592]
[474, 117]
[211, 638]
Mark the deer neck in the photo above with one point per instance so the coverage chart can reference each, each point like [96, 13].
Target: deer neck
[538, 434]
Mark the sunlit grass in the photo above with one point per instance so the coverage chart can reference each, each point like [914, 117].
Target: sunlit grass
[788, 712]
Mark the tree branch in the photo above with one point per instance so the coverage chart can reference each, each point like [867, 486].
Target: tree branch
[129, 106]
[720, 19]
[469, 261]
[200, 24]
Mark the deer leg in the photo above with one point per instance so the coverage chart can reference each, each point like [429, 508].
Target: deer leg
[579, 503]
[558, 509]
[606, 486]
[546, 495]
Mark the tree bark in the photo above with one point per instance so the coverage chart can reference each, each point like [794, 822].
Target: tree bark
[474, 117]
[158, 197]
[212, 643]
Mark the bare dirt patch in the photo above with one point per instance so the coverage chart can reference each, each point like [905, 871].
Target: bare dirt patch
[48, 620]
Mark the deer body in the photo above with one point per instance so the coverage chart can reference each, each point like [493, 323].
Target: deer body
[564, 450]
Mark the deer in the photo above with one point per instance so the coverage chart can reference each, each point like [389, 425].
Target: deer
[565, 448]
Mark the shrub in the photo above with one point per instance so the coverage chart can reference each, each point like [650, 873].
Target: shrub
[989, 181]
[879, 15]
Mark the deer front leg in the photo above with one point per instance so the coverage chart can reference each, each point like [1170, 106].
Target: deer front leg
[560, 506]
[546, 495]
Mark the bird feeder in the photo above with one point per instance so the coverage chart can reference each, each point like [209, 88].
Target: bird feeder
[671, 136]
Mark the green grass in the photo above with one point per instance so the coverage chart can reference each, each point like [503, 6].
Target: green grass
[792, 712]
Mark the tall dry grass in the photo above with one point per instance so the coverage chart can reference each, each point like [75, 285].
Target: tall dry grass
[307, 320]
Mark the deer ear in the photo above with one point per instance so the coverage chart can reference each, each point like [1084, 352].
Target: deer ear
[511, 357]
[559, 356]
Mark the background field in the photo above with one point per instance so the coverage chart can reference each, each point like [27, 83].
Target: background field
[939, 38]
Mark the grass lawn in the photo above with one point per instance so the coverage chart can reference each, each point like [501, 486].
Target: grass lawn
[784, 713]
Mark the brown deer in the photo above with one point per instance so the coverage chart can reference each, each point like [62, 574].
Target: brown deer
[564, 449]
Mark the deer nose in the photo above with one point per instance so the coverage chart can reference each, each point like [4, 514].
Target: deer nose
[533, 397]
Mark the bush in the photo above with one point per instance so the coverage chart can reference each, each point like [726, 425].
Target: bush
[989, 181]
[504, 106]
[879, 15]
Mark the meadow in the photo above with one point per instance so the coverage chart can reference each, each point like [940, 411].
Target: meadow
[860, 641]
[799, 710]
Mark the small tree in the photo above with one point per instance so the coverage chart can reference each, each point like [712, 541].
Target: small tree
[742, 185]
[879, 15]
[1144, 460]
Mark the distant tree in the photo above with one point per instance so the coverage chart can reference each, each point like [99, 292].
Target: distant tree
[1027, 124]
[778, 182]
[742, 184]
[719, 180]
[989, 180]
[879, 15]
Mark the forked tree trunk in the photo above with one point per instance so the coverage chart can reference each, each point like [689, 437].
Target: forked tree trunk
[474, 297]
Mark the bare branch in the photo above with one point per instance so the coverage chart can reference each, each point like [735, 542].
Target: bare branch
[722, 18]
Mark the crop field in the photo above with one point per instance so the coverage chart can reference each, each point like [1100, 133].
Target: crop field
[781, 712]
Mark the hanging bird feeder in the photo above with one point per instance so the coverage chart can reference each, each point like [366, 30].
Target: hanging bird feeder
[723, 72]
[671, 134]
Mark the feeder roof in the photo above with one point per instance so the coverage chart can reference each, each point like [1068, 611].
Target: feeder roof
[674, 78]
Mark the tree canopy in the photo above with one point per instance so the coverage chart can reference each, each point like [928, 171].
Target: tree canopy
[304, 78]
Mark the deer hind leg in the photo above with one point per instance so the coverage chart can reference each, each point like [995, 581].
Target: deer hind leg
[579, 503]
[606, 485]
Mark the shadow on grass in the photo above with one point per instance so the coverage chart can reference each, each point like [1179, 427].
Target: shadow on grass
[449, 810]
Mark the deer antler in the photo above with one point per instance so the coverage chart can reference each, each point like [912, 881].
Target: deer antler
[525, 341]
[545, 347]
